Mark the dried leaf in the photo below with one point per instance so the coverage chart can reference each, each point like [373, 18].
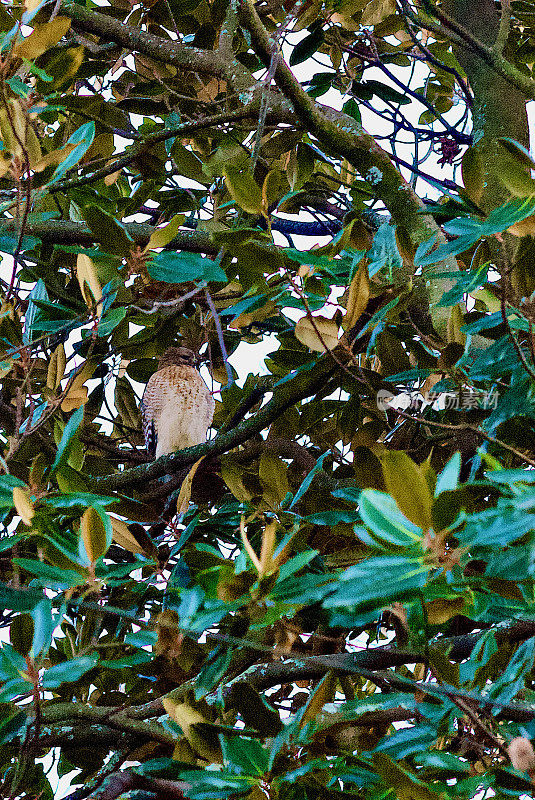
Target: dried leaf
[359, 294]
[376, 11]
[320, 335]
[88, 280]
[23, 505]
[182, 503]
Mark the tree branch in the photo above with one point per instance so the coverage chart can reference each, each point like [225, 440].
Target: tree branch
[170, 51]
[285, 395]
[63, 232]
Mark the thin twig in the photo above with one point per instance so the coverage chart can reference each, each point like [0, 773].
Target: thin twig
[220, 337]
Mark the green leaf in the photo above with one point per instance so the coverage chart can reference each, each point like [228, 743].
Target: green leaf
[210, 785]
[19, 599]
[141, 638]
[408, 741]
[246, 756]
[404, 783]
[384, 253]
[108, 231]
[376, 582]
[307, 46]
[68, 671]
[305, 484]
[110, 320]
[468, 282]
[183, 267]
[352, 109]
[243, 189]
[134, 660]
[387, 93]
[448, 479]
[72, 499]
[83, 139]
[381, 514]
[38, 292]
[51, 576]
[7, 484]
[66, 441]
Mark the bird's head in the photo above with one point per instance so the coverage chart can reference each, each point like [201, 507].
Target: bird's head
[177, 356]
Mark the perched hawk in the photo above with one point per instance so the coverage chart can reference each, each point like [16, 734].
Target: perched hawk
[177, 407]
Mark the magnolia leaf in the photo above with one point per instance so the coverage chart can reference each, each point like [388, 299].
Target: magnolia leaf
[68, 671]
[42, 38]
[56, 367]
[440, 611]
[307, 46]
[518, 151]
[67, 437]
[123, 537]
[184, 496]
[376, 11]
[232, 474]
[23, 505]
[162, 236]
[53, 158]
[204, 740]
[359, 294]
[38, 292]
[108, 231]
[515, 176]
[187, 163]
[272, 472]
[74, 399]
[319, 335]
[21, 633]
[243, 189]
[95, 533]
[455, 324]
[88, 280]
[323, 693]
[473, 174]
[400, 472]
[82, 138]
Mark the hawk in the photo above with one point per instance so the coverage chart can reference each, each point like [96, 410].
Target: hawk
[177, 407]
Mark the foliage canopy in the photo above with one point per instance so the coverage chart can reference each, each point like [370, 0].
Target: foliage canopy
[335, 594]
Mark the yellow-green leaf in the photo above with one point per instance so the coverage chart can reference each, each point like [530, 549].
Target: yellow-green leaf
[23, 505]
[42, 38]
[473, 176]
[187, 163]
[272, 472]
[359, 294]
[95, 534]
[162, 236]
[88, 280]
[324, 693]
[243, 189]
[406, 482]
[182, 503]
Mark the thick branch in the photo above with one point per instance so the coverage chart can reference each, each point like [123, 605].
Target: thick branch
[62, 232]
[139, 148]
[286, 395]
[172, 52]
